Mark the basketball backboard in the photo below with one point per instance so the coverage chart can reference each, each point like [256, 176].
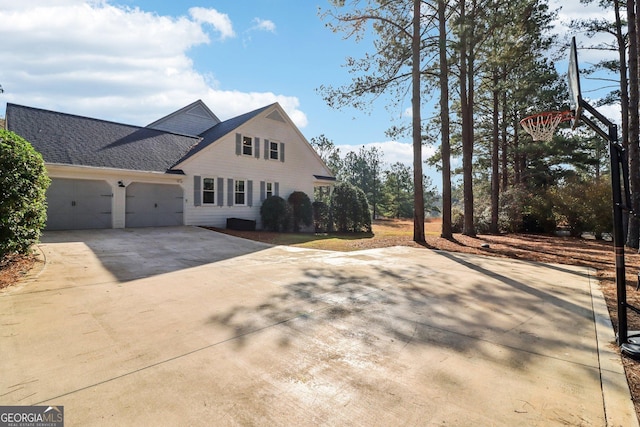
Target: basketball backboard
[573, 77]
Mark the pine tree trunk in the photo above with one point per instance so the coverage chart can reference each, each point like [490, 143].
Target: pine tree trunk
[504, 152]
[445, 147]
[466, 96]
[495, 173]
[418, 202]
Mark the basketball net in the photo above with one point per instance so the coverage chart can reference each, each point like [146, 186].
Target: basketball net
[542, 126]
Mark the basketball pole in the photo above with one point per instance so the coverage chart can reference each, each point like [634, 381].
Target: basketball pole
[618, 165]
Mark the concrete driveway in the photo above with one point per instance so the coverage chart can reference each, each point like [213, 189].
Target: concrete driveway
[185, 326]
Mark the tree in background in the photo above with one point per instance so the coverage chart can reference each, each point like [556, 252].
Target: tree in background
[23, 183]
[394, 68]
[363, 169]
[624, 38]
[445, 143]
[328, 152]
[397, 191]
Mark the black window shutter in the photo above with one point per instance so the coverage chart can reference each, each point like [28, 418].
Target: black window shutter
[256, 142]
[230, 192]
[263, 191]
[266, 149]
[249, 193]
[197, 193]
[238, 144]
[219, 190]
[282, 151]
[276, 188]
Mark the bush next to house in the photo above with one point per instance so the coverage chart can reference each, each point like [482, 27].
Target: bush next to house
[301, 211]
[350, 209]
[321, 218]
[23, 183]
[364, 213]
[274, 213]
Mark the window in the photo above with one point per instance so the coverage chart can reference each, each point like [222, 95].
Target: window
[274, 150]
[239, 197]
[269, 189]
[208, 190]
[247, 146]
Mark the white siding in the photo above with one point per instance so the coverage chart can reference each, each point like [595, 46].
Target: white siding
[220, 161]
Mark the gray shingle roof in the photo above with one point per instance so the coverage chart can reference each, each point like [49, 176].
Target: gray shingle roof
[76, 140]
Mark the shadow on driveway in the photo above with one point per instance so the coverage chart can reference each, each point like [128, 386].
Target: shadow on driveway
[135, 253]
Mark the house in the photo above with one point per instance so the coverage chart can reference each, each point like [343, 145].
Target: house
[188, 168]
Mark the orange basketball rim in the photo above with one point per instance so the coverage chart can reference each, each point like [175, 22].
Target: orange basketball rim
[542, 126]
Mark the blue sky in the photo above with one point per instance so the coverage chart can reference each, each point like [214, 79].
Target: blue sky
[134, 61]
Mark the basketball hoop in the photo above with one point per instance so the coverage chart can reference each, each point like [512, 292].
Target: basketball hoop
[542, 126]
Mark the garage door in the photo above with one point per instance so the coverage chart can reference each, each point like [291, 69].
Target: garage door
[153, 205]
[78, 204]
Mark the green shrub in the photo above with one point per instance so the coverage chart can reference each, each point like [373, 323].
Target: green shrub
[457, 219]
[275, 214]
[584, 206]
[301, 211]
[321, 218]
[364, 213]
[23, 183]
[538, 216]
[350, 209]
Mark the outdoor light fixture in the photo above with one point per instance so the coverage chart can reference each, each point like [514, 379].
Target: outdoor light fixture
[121, 184]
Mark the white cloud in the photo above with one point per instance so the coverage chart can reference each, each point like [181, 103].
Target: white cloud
[264, 25]
[394, 151]
[219, 21]
[573, 11]
[95, 59]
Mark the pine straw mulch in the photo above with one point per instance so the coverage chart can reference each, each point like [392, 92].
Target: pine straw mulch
[598, 255]
[15, 267]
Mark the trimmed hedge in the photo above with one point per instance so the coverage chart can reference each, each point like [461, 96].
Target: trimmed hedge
[301, 211]
[350, 209]
[275, 214]
[23, 183]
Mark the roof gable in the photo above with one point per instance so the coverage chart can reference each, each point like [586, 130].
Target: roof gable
[213, 134]
[270, 112]
[191, 120]
[69, 139]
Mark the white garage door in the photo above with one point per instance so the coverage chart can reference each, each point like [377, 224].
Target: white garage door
[153, 205]
[78, 204]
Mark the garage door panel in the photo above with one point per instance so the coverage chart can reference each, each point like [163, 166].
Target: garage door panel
[154, 205]
[78, 204]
